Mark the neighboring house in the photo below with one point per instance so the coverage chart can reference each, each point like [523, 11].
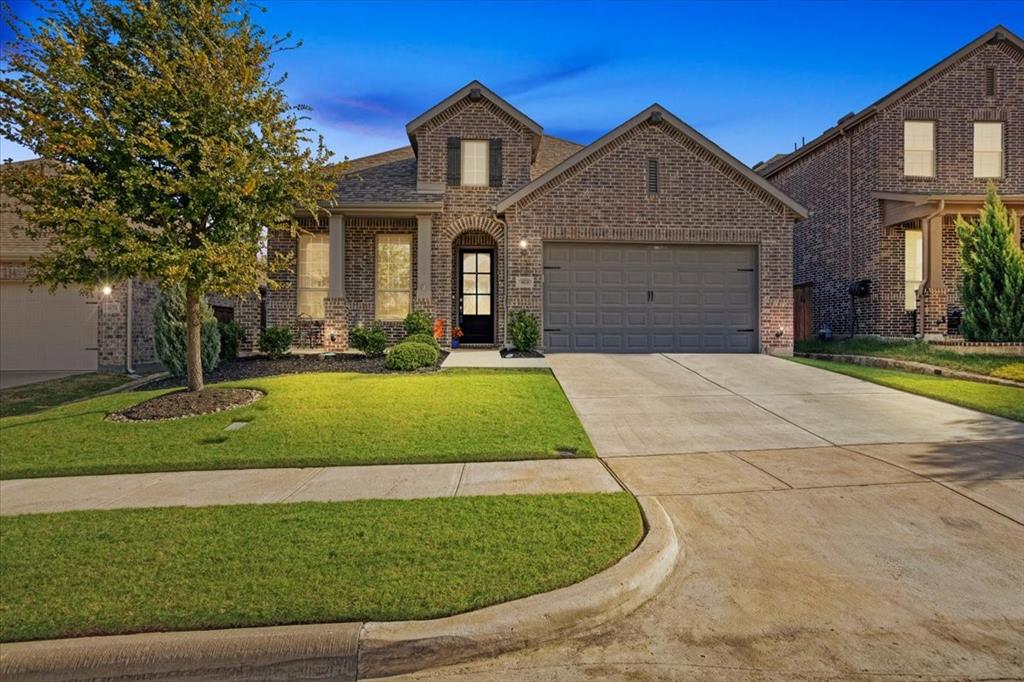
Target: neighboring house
[72, 331]
[650, 239]
[884, 187]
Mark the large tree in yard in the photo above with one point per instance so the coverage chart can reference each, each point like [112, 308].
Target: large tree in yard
[169, 147]
[992, 283]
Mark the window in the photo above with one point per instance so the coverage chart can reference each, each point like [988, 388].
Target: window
[474, 163]
[988, 150]
[919, 148]
[394, 276]
[314, 274]
[913, 260]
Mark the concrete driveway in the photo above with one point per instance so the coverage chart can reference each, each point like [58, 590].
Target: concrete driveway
[852, 559]
[654, 404]
[9, 378]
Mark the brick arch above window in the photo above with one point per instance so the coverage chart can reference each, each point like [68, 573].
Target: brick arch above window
[484, 224]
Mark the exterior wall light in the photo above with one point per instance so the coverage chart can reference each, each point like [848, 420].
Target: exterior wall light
[523, 244]
[107, 290]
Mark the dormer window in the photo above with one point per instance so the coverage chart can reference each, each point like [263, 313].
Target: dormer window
[474, 163]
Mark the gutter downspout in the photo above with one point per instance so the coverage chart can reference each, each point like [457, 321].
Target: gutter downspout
[926, 235]
[849, 227]
[504, 224]
[128, 332]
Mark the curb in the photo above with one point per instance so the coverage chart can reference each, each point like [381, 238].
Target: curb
[911, 366]
[343, 651]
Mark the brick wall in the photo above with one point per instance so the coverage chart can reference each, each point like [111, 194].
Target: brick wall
[701, 200]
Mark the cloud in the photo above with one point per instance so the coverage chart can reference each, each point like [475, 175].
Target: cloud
[568, 69]
[371, 112]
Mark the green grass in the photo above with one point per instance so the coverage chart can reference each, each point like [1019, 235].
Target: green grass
[1004, 401]
[310, 420]
[45, 394]
[105, 572]
[1005, 366]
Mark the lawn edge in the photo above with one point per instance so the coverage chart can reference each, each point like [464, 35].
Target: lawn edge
[372, 649]
[910, 366]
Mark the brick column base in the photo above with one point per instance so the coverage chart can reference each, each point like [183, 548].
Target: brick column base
[931, 313]
[336, 315]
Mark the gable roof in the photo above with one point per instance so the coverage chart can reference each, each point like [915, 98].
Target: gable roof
[997, 34]
[655, 113]
[474, 89]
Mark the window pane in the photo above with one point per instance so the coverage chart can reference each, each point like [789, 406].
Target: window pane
[913, 266]
[469, 305]
[393, 305]
[919, 148]
[311, 303]
[313, 261]
[483, 284]
[483, 262]
[988, 164]
[988, 137]
[483, 305]
[469, 284]
[469, 262]
[474, 162]
[394, 261]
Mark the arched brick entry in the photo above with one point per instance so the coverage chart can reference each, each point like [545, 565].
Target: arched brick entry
[474, 231]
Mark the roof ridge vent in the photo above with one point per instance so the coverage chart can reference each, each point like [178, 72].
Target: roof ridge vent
[475, 95]
[655, 117]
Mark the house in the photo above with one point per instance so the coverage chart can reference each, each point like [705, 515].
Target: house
[109, 328]
[884, 187]
[652, 238]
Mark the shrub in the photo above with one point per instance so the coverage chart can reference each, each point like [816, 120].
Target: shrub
[524, 330]
[410, 355]
[231, 336]
[371, 340]
[422, 338]
[992, 286]
[419, 322]
[276, 341]
[170, 332]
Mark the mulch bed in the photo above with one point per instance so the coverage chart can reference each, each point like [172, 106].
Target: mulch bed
[256, 366]
[187, 404]
[511, 353]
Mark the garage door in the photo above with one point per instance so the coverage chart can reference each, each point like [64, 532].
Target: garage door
[650, 298]
[43, 332]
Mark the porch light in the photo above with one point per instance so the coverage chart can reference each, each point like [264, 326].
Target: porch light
[523, 244]
[107, 290]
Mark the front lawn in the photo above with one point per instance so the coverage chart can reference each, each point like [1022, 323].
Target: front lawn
[1004, 401]
[105, 572]
[1005, 366]
[310, 420]
[44, 394]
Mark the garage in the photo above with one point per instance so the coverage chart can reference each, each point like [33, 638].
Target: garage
[40, 331]
[639, 298]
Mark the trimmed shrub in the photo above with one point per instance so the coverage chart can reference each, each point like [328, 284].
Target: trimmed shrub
[276, 341]
[231, 336]
[371, 340]
[419, 322]
[524, 330]
[170, 332]
[422, 338]
[410, 355]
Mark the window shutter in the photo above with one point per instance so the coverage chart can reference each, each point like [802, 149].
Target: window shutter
[494, 158]
[454, 161]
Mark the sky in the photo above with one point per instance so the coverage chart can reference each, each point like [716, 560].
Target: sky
[755, 77]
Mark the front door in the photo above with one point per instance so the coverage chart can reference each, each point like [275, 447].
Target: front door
[476, 295]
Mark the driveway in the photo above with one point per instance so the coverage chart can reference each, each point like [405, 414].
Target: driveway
[9, 378]
[855, 558]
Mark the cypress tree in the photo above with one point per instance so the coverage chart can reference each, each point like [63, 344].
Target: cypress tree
[170, 332]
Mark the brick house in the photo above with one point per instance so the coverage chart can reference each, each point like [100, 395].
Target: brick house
[74, 331]
[650, 239]
[884, 187]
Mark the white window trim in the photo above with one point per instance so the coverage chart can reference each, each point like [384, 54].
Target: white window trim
[485, 145]
[378, 290]
[908, 283]
[1000, 153]
[907, 149]
[302, 263]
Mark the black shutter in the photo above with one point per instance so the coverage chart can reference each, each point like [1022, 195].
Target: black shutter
[454, 161]
[494, 157]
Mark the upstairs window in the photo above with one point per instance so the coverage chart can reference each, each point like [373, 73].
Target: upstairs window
[474, 163]
[394, 276]
[988, 149]
[919, 148]
[314, 274]
[913, 272]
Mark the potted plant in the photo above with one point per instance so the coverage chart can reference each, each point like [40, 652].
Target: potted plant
[456, 335]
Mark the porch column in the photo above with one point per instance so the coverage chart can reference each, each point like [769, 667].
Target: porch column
[932, 304]
[336, 305]
[423, 258]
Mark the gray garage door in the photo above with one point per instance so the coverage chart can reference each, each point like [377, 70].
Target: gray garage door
[637, 298]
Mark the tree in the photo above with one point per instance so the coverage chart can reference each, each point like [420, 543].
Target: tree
[169, 148]
[170, 335]
[992, 283]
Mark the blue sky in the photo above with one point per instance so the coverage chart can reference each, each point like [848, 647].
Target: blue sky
[753, 76]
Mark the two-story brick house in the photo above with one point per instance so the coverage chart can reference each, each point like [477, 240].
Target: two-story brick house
[652, 238]
[884, 187]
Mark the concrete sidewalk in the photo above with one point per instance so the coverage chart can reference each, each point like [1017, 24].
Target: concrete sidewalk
[323, 484]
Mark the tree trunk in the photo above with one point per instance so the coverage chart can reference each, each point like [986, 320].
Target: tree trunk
[193, 339]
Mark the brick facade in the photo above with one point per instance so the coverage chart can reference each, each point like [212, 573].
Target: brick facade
[845, 238]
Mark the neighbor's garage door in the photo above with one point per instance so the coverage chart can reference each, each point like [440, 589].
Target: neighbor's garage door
[43, 332]
[635, 298]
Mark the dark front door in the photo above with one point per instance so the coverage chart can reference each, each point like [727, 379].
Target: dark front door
[476, 295]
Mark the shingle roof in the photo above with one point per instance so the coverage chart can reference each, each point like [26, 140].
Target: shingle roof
[390, 176]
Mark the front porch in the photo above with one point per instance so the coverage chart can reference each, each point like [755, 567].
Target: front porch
[936, 315]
